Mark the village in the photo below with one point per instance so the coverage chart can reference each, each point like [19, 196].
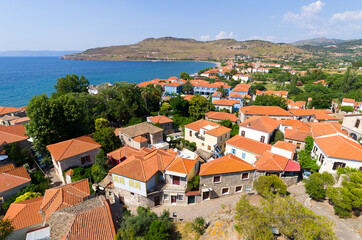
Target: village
[229, 131]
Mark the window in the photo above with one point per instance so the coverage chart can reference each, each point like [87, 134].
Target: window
[115, 178]
[175, 180]
[84, 159]
[131, 183]
[138, 185]
[262, 139]
[245, 176]
[190, 133]
[180, 197]
[121, 180]
[238, 188]
[225, 191]
[233, 151]
[165, 196]
[243, 133]
[357, 123]
[217, 179]
[203, 144]
[209, 147]
[337, 165]
[243, 155]
[314, 149]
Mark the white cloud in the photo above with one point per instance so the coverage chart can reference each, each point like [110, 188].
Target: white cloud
[224, 35]
[205, 37]
[269, 38]
[346, 16]
[309, 16]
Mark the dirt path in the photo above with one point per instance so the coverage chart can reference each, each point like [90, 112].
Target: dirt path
[345, 229]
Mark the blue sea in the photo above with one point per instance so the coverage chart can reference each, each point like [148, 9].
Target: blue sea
[21, 78]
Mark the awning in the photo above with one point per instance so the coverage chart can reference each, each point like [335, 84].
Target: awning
[292, 167]
[192, 193]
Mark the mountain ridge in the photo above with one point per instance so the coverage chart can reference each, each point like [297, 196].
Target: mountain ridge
[322, 41]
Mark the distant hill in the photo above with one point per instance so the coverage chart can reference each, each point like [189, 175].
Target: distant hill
[170, 48]
[317, 42]
[35, 53]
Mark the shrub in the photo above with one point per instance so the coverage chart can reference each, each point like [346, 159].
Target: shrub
[316, 185]
[346, 108]
[198, 225]
[26, 196]
[267, 185]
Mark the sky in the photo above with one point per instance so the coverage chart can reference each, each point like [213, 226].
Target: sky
[83, 24]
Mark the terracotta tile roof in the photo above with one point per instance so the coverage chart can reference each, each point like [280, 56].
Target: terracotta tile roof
[24, 214]
[173, 78]
[64, 196]
[340, 147]
[349, 100]
[6, 167]
[142, 168]
[182, 165]
[11, 134]
[272, 92]
[13, 178]
[127, 151]
[216, 94]
[72, 147]
[140, 129]
[271, 162]
[236, 95]
[265, 110]
[292, 167]
[221, 116]
[192, 193]
[261, 123]
[242, 87]
[174, 84]
[7, 110]
[296, 124]
[322, 129]
[140, 139]
[212, 128]
[200, 124]
[226, 102]
[160, 119]
[226, 164]
[297, 135]
[302, 112]
[188, 97]
[324, 116]
[19, 171]
[20, 120]
[91, 219]
[249, 145]
[285, 145]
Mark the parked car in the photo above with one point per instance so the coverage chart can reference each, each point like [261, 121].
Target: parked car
[306, 174]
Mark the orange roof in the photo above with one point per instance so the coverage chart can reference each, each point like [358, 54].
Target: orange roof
[140, 139]
[246, 75]
[11, 134]
[216, 94]
[296, 124]
[127, 151]
[242, 87]
[297, 135]
[271, 162]
[323, 116]
[142, 168]
[6, 167]
[236, 95]
[24, 214]
[261, 123]
[218, 130]
[174, 84]
[226, 164]
[340, 147]
[182, 165]
[265, 110]
[322, 129]
[188, 97]
[7, 110]
[299, 104]
[226, 102]
[160, 119]
[12, 178]
[173, 78]
[64, 196]
[145, 84]
[302, 112]
[221, 116]
[276, 92]
[249, 145]
[20, 120]
[72, 147]
[285, 145]
[349, 100]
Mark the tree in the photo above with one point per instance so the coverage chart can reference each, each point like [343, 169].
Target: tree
[71, 83]
[258, 86]
[277, 136]
[187, 88]
[222, 91]
[26, 196]
[157, 231]
[19, 155]
[184, 75]
[194, 183]
[347, 199]
[106, 137]
[101, 123]
[305, 158]
[199, 225]
[6, 228]
[266, 185]
[98, 172]
[316, 185]
[235, 130]
[179, 105]
[199, 106]
[270, 100]
[226, 123]
[346, 108]
[165, 108]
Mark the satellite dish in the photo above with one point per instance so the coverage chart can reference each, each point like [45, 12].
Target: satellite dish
[168, 139]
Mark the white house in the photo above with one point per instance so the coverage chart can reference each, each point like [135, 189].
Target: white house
[348, 102]
[352, 124]
[259, 128]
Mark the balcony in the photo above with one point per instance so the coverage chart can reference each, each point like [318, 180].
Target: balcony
[199, 136]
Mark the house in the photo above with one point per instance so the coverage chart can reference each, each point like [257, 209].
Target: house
[247, 149]
[206, 88]
[220, 116]
[294, 124]
[120, 154]
[305, 115]
[259, 128]
[91, 219]
[20, 120]
[283, 94]
[297, 105]
[245, 78]
[236, 77]
[24, 217]
[173, 88]
[224, 176]
[275, 112]
[242, 88]
[348, 102]
[333, 149]
[64, 196]
[12, 180]
[208, 136]
[226, 104]
[138, 179]
[286, 149]
[165, 122]
[76, 152]
[323, 82]
[296, 137]
[12, 111]
[352, 124]
[13, 134]
[216, 96]
[324, 117]
[177, 175]
[140, 135]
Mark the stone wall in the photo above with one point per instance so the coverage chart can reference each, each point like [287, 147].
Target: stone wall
[136, 200]
[289, 181]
